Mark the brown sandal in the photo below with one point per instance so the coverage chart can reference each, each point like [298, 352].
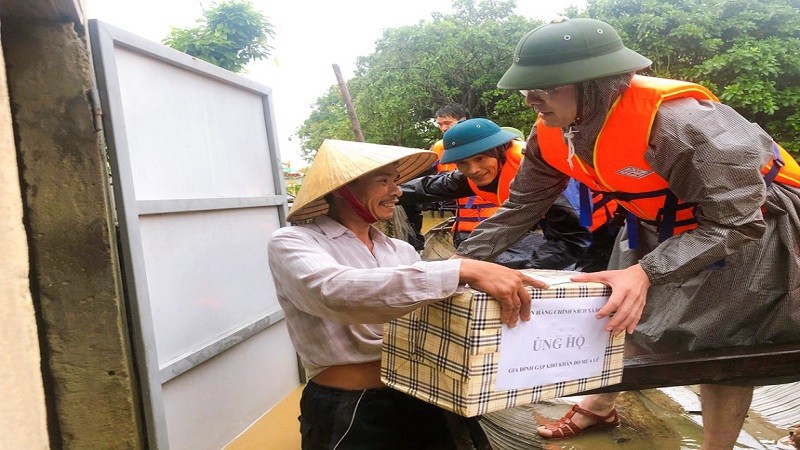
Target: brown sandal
[566, 428]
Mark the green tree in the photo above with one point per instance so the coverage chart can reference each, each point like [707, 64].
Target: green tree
[328, 120]
[416, 69]
[229, 35]
[745, 51]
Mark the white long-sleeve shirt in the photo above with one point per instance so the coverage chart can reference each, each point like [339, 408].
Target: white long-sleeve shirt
[336, 294]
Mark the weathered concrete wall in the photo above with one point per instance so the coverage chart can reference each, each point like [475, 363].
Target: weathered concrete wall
[59, 10]
[75, 282]
[23, 417]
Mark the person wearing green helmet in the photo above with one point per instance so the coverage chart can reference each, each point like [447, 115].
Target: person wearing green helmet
[466, 210]
[487, 158]
[708, 255]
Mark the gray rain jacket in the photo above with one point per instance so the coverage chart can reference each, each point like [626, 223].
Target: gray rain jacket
[711, 155]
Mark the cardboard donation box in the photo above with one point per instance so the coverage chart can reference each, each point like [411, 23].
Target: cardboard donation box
[449, 353]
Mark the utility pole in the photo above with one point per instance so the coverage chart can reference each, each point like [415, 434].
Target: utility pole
[348, 102]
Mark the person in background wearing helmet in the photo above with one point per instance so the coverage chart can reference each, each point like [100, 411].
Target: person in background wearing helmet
[468, 209]
[487, 158]
[338, 279]
[445, 117]
[708, 257]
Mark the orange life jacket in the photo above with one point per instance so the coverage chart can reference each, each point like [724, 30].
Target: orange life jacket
[438, 148]
[469, 210]
[603, 208]
[514, 154]
[492, 201]
[619, 166]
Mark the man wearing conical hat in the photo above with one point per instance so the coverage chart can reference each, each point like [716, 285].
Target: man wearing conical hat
[708, 257]
[339, 279]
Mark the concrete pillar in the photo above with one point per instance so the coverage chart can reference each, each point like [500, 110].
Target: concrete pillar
[75, 280]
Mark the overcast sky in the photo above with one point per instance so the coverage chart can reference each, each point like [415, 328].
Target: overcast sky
[311, 35]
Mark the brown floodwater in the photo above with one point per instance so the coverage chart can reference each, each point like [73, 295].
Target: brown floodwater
[651, 419]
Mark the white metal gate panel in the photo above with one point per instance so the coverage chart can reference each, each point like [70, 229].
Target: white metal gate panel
[199, 189]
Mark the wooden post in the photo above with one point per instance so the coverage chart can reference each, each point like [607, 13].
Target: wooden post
[397, 227]
[348, 104]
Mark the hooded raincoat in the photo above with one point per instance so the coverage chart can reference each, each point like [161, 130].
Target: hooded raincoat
[709, 155]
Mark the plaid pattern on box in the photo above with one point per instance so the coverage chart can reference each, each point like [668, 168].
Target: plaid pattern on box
[447, 353]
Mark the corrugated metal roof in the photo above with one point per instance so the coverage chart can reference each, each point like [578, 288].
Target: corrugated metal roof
[779, 404]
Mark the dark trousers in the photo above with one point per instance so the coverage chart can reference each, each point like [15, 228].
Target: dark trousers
[370, 419]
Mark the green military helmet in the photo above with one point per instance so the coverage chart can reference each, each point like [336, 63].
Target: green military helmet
[568, 51]
[519, 134]
[471, 137]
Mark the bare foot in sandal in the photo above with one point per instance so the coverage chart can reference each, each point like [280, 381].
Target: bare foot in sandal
[578, 420]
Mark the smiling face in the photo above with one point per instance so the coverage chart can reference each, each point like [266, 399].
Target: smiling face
[557, 107]
[480, 168]
[378, 192]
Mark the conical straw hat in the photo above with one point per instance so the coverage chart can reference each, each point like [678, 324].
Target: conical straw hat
[340, 162]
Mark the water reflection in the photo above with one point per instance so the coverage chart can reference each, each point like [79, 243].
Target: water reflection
[651, 419]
